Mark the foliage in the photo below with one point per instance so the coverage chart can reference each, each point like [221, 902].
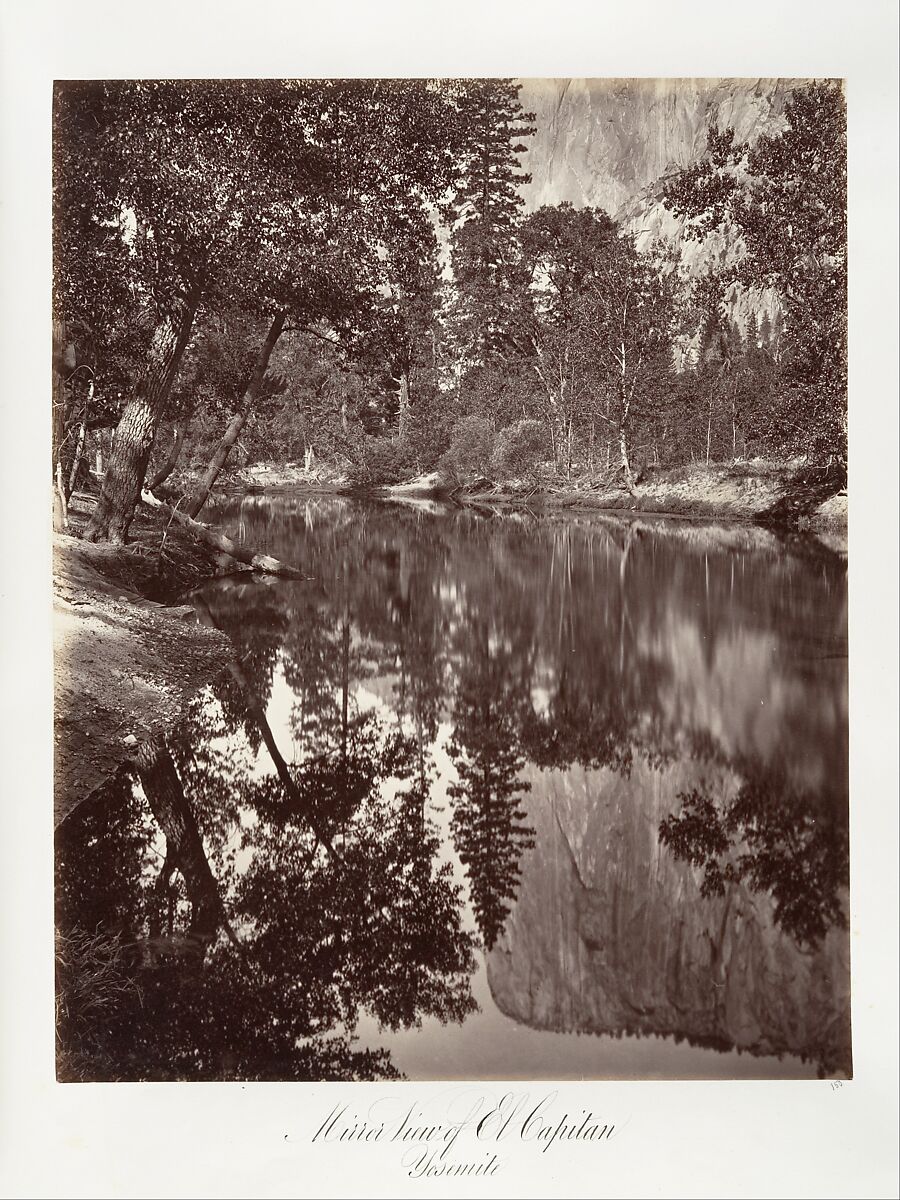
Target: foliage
[471, 449]
[380, 460]
[484, 211]
[774, 837]
[518, 449]
[787, 197]
[488, 823]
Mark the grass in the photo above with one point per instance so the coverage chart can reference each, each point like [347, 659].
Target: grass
[93, 983]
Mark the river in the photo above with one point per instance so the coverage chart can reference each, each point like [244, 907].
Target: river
[491, 794]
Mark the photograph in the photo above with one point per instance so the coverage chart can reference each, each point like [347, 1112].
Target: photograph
[450, 629]
[449, 600]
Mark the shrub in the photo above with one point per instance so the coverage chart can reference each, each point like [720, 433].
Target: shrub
[378, 460]
[518, 449]
[471, 448]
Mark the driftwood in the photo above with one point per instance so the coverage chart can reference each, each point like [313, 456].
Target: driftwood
[223, 543]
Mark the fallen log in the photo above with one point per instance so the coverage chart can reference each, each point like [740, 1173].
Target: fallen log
[223, 543]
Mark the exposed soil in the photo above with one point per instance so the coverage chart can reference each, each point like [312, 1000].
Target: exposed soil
[125, 661]
[769, 494]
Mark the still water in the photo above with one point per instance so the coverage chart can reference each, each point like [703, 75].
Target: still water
[490, 795]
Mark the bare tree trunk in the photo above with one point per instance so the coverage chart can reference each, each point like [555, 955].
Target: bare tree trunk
[136, 430]
[61, 506]
[223, 543]
[167, 466]
[59, 365]
[623, 456]
[76, 458]
[79, 445]
[403, 429]
[201, 494]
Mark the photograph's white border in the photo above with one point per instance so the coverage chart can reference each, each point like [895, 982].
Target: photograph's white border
[678, 1139]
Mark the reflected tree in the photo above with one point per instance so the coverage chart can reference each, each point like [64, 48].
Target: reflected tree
[774, 837]
[257, 967]
[488, 824]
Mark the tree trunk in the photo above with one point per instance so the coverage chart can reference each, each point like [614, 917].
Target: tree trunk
[76, 459]
[59, 364]
[169, 463]
[223, 543]
[404, 406]
[60, 507]
[136, 430]
[184, 846]
[623, 455]
[236, 424]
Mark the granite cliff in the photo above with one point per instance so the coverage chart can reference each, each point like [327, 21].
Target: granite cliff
[611, 143]
[610, 934]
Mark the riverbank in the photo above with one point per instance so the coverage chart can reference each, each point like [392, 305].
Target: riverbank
[793, 495]
[790, 495]
[126, 658]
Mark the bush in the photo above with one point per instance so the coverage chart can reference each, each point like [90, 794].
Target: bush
[378, 460]
[518, 449]
[471, 448]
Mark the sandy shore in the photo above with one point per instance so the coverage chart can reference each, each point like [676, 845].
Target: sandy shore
[125, 665]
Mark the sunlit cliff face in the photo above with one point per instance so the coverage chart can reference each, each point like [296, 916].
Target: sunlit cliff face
[610, 143]
[603, 141]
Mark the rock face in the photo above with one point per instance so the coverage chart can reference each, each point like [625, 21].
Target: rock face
[610, 143]
[603, 141]
[610, 933]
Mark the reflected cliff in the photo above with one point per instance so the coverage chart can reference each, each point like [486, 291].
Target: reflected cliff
[603, 761]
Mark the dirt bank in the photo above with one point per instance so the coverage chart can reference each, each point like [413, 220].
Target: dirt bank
[125, 664]
[788, 495]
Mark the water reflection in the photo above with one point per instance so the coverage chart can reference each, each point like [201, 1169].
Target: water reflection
[605, 760]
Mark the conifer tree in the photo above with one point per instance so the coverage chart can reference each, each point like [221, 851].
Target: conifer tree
[488, 825]
[485, 210]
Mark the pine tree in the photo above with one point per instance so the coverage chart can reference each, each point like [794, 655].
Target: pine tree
[764, 331]
[487, 824]
[486, 207]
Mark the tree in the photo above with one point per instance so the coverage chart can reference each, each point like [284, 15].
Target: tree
[484, 212]
[593, 319]
[399, 329]
[223, 191]
[488, 824]
[787, 198]
[190, 177]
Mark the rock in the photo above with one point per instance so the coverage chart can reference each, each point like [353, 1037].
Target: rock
[610, 143]
[610, 934]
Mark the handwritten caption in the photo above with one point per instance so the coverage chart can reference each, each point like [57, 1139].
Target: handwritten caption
[469, 1135]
